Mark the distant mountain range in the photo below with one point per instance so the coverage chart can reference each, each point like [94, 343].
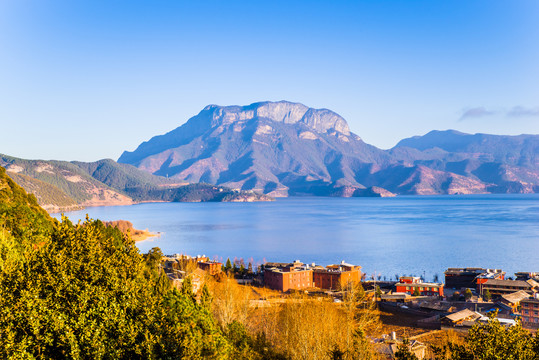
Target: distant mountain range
[239, 153]
[283, 148]
[64, 186]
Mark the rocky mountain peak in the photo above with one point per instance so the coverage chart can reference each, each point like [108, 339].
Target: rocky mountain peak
[320, 120]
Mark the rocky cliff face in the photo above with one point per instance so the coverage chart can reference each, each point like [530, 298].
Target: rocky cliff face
[283, 148]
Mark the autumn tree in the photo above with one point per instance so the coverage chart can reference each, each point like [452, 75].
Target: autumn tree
[493, 341]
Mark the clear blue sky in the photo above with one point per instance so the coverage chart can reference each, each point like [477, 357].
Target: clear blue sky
[85, 80]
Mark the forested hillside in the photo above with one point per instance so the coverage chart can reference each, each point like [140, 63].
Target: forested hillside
[83, 291]
[64, 186]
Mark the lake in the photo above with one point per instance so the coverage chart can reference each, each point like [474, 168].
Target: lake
[419, 235]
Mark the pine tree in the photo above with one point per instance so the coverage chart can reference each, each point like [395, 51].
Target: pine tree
[205, 297]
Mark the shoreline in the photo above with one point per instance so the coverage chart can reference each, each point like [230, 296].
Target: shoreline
[141, 235]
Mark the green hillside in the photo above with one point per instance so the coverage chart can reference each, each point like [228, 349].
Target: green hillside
[85, 292]
[20, 214]
[65, 176]
[46, 194]
[64, 185]
[120, 176]
[199, 192]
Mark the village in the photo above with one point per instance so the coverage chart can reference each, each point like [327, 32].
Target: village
[411, 307]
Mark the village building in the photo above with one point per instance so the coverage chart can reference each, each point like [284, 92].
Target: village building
[396, 297]
[503, 287]
[391, 347]
[488, 275]
[413, 285]
[530, 313]
[299, 276]
[513, 300]
[211, 267]
[294, 276]
[464, 317]
[459, 278]
[527, 275]
[332, 277]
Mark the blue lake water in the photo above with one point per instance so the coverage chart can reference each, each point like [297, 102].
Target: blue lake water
[420, 235]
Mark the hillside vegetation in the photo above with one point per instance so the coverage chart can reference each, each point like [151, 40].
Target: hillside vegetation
[83, 291]
[64, 186]
[48, 196]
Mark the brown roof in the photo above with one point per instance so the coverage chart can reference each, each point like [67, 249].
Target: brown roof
[516, 297]
[530, 300]
[519, 283]
[463, 314]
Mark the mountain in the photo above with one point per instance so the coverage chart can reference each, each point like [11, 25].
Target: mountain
[284, 148]
[279, 148]
[503, 163]
[64, 186]
[64, 177]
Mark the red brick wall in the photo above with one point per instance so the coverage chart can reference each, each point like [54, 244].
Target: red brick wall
[530, 314]
[284, 281]
[332, 280]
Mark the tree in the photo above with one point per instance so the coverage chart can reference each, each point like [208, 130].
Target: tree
[83, 291]
[205, 297]
[468, 294]
[378, 292]
[228, 265]
[187, 289]
[153, 257]
[404, 353]
[493, 341]
[88, 293]
[416, 291]
[487, 295]
[242, 270]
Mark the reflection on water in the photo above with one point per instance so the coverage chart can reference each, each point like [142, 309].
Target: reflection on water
[402, 235]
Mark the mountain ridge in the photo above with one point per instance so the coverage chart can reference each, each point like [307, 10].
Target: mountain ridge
[285, 148]
[64, 186]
